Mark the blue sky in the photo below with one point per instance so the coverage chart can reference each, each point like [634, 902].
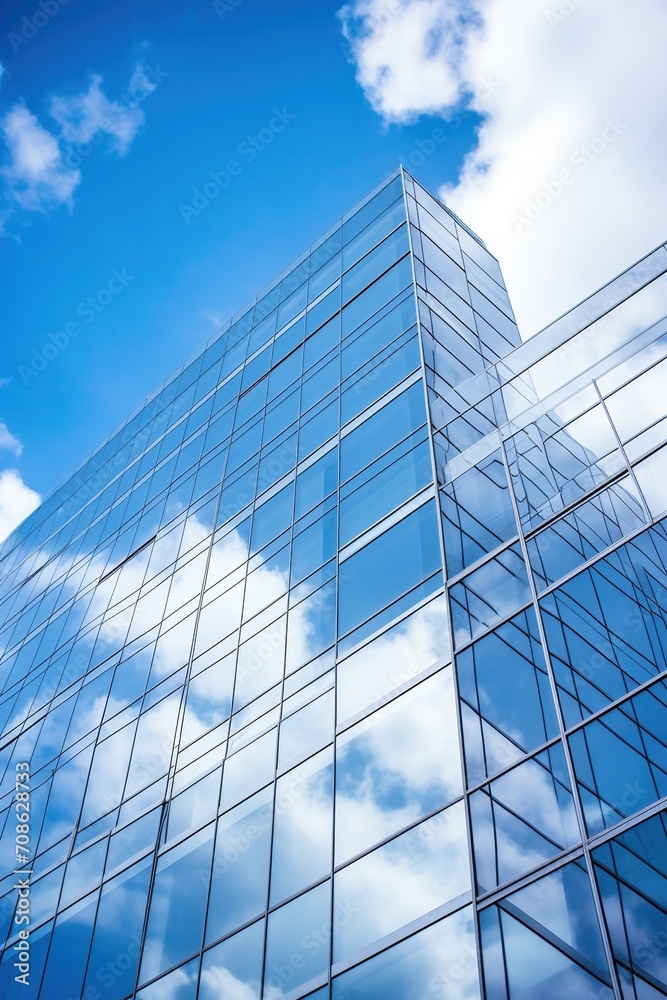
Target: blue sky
[112, 115]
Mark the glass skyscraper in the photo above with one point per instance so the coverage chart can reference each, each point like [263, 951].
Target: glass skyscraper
[339, 669]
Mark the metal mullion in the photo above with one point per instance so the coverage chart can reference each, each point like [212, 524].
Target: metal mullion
[448, 613]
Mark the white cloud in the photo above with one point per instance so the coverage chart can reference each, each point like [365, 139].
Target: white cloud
[40, 172]
[577, 93]
[8, 442]
[16, 501]
[36, 174]
[408, 54]
[83, 117]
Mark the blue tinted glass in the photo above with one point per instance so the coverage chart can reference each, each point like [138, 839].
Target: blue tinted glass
[477, 514]
[374, 233]
[63, 975]
[178, 905]
[302, 830]
[379, 375]
[390, 565]
[239, 881]
[381, 331]
[234, 967]
[589, 529]
[631, 872]
[272, 517]
[419, 870]
[283, 413]
[314, 546]
[395, 280]
[555, 965]
[389, 788]
[621, 759]
[605, 628]
[311, 626]
[118, 931]
[522, 819]
[386, 484]
[296, 950]
[316, 482]
[383, 429]
[507, 707]
[318, 314]
[375, 263]
[320, 425]
[290, 338]
[181, 984]
[440, 959]
[368, 212]
[319, 345]
[319, 382]
[489, 594]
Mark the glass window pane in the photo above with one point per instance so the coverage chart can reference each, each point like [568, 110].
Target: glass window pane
[374, 207]
[373, 233]
[631, 872]
[402, 880]
[506, 703]
[63, 975]
[381, 788]
[272, 517]
[234, 968]
[316, 482]
[382, 430]
[118, 929]
[296, 949]
[248, 769]
[311, 627]
[607, 627]
[553, 463]
[395, 280]
[594, 526]
[440, 960]
[392, 659]
[621, 758]
[313, 546]
[181, 984]
[303, 826]
[374, 263]
[652, 478]
[306, 729]
[178, 905]
[380, 374]
[477, 513]
[260, 662]
[489, 594]
[385, 485]
[239, 882]
[507, 941]
[387, 567]
[522, 819]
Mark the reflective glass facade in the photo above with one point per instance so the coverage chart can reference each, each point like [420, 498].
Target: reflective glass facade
[338, 671]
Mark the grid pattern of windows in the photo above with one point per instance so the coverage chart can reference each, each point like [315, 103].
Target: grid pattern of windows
[339, 668]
